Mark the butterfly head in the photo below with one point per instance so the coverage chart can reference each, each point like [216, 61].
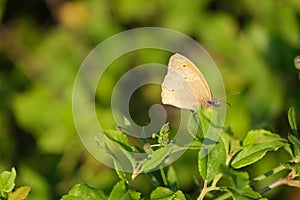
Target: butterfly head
[214, 103]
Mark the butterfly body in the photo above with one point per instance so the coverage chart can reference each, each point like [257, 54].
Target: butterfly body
[185, 87]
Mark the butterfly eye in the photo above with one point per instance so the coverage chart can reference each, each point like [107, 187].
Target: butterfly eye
[214, 103]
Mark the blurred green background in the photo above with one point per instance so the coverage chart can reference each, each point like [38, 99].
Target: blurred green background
[43, 42]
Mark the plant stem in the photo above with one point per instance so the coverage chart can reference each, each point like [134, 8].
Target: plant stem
[207, 189]
[204, 191]
[273, 185]
[163, 175]
[267, 174]
[215, 181]
[289, 180]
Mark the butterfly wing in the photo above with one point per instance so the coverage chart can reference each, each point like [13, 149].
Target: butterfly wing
[184, 85]
[177, 92]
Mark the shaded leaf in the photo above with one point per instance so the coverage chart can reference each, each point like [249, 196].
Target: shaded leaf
[246, 194]
[172, 178]
[295, 147]
[239, 189]
[119, 138]
[123, 160]
[293, 121]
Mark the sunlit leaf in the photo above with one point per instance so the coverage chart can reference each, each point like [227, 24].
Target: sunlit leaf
[83, 191]
[156, 158]
[120, 191]
[209, 162]
[162, 193]
[7, 180]
[254, 153]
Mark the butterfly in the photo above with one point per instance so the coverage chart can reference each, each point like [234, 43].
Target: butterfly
[185, 87]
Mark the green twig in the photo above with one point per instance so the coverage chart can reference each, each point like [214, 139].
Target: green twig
[267, 174]
[204, 191]
[163, 175]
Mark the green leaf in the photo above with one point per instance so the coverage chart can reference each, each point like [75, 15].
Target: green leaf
[120, 191]
[254, 153]
[199, 123]
[172, 178]
[120, 172]
[123, 160]
[83, 191]
[246, 194]
[135, 195]
[118, 146]
[20, 193]
[295, 147]
[260, 136]
[156, 158]
[205, 116]
[162, 193]
[7, 180]
[209, 164]
[120, 138]
[231, 144]
[239, 189]
[292, 121]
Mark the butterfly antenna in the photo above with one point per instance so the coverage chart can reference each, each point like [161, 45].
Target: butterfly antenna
[229, 95]
[223, 101]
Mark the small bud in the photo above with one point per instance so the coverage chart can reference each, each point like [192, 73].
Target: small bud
[165, 128]
[147, 148]
[297, 62]
[165, 141]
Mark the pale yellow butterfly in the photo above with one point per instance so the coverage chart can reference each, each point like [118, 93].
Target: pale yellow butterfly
[185, 87]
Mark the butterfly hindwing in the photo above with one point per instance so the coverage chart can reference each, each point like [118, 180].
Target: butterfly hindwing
[184, 85]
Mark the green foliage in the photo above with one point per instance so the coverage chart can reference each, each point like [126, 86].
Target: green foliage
[82, 191]
[7, 185]
[221, 162]
[162, 193]
[209, 162]
[43, 44]
[256, 144]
